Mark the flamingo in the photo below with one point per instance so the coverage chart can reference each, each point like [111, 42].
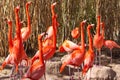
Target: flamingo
[37, 69]
[75, 33]
[11, 58]
[109, 43]
[89, 55]
[69, 46]
[77, 56]
[16, 50]
[26, 31]
[48, 51]
[50, 31]
[98, 39]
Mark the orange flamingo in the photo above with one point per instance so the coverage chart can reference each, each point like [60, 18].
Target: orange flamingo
[69, 46]
[48, 51]
[77, 56]
[75, 33]
[17, 52]
[26, 31]
[109, 43]
[89, 55]
[37, 69]
[12, 56]
[48, 41]
[98, 39]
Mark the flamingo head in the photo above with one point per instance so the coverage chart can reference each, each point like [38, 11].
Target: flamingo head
[98, 16]
[90, 26]
[17, 8]
[53, 5]
[21, 23]
[8, 21]
[28, 3]
[83, 22]
[41, 35]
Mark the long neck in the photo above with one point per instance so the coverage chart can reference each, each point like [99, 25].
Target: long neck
[40, 51]
[28, 18]
[10, 35]
[18, 32]
[82, 36]
[90, 40]
[103, 30]
[54, 22]
[98, 25]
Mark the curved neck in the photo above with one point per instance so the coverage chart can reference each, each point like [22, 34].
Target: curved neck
[98, 25]
[10, 35]
[90, 40]
[82, 35]
[28, 18]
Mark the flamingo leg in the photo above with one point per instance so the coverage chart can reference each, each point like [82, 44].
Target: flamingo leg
[69, 72]
[12, 72]
[20, 71]
[99, 57]
[78, 73]
[111, 55]
[44, 76]
[96, 58]
[90, 74]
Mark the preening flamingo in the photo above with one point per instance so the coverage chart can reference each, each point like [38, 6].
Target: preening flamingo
[98, 39]
[75, 33]
[69, 46]
[77, 56]
[48, 51]
[37, 69]
[89, 55]
[109, 43]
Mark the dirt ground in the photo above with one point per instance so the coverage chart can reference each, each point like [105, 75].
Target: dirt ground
[4, 74]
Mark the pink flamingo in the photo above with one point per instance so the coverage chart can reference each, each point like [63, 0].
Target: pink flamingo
[69, 46]
[48, 51]
[37, 69]
[109, 43]
[26, 31]
[77, 56]
[16, 49]
[98, 39]
[89, 55]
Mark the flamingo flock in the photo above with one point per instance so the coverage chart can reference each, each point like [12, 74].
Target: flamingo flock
[78, 54]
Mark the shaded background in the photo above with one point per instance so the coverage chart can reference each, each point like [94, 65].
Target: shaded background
[70, 14]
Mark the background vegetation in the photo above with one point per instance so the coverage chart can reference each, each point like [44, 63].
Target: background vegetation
[70, 14]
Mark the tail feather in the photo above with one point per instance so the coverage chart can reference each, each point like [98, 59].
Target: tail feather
[63, 66]
[116, 45]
